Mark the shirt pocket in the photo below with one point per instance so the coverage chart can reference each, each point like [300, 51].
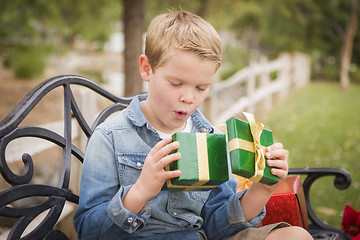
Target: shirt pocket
[200, 196]
[130, 166]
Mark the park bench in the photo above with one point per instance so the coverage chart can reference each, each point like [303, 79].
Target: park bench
[53, 199]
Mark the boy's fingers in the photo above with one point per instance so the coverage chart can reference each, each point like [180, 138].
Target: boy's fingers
[162, 148]
[276, 145]
[168, 159]
[160, 145]
[167, 149]
[281, 165]
[276, 154]
[279, 172]
[172, 174]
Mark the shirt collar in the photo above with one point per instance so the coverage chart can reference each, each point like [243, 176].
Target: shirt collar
[135, 113]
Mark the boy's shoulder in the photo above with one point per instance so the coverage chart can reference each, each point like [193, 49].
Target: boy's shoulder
[126, 118]
[117, 121]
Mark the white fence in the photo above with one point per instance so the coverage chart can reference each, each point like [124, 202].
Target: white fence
[256, 87]
[252, 89]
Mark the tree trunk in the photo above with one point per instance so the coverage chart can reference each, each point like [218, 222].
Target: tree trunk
[348, 46]
[202, 10]
[133, 31]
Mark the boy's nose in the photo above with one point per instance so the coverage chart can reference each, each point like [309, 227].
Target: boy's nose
[187, 98]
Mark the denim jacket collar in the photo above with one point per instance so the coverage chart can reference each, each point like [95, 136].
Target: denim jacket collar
[138, 118]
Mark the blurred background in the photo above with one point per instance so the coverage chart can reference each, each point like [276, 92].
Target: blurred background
[318, 120]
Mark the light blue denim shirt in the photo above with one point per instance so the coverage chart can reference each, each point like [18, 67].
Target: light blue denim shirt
[114, 158]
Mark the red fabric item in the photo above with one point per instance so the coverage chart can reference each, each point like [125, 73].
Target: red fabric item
[287, 204]
[351, 222]
[357, 237]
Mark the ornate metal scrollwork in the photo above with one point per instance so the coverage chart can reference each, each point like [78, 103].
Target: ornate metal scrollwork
[20, 186]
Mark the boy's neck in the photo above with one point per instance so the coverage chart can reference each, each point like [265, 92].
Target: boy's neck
[187, 129]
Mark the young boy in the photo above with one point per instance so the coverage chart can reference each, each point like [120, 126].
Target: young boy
[123, 171]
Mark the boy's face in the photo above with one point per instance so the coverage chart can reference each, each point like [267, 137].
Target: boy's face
[176, 89]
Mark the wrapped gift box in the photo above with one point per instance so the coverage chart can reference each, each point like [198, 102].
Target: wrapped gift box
[242, 150]
[203, 162]
[287, 204]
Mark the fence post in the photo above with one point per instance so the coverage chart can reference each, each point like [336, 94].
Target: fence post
[301, 70]
[265, 82]
[250, 87]
[210, 105]
[253, 87]
[286, 75]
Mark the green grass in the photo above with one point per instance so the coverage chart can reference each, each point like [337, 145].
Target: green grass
[320, 126]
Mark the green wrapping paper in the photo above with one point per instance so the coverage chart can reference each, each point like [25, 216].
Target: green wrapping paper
[203, 162]
[242, 158]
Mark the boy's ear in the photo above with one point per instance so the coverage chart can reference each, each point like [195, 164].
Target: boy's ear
[145, 68]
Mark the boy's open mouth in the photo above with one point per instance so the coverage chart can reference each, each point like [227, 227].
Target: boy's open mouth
[180, 114]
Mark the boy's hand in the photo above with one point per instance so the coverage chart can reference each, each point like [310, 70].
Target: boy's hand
[258, 194]
[277, 158]
[153, 175]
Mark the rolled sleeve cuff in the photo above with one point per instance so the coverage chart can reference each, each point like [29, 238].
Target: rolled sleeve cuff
[128, 221]
[235, 213]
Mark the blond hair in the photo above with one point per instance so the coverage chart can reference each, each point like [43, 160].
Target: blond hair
[183, 31]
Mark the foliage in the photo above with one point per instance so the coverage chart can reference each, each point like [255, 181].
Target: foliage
[354, 73]
[319, 126]
[40, 20]
[27, 61]
[266, 27]
[154, 8]
[234, 59]
[270, 27]
[308, 26]
[56, 23]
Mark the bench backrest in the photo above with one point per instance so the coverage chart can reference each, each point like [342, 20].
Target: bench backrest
[53, 198]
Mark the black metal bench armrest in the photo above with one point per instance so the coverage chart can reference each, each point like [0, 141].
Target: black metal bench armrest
[342, 181]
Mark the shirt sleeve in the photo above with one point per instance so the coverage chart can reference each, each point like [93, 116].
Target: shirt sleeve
[101, 214]
[122, 217]
[223, 214]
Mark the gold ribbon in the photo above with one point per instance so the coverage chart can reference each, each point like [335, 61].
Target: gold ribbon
[203, 166]
[236, 143]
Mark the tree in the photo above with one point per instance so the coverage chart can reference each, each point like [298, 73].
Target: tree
[133, 31]
[318, 27]
[348, 45]
[28, 22]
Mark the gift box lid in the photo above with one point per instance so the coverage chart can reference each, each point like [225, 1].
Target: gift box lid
[237, 127]
[242, 148]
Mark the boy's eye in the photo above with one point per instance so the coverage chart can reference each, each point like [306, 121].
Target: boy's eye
[202, 88]
[175, 84]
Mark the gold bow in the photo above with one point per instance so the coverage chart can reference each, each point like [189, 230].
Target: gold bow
[255, 146]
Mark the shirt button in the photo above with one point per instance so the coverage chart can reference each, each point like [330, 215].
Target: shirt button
[205, 130]
[135, 224]
[138, 164]
[130, 219]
